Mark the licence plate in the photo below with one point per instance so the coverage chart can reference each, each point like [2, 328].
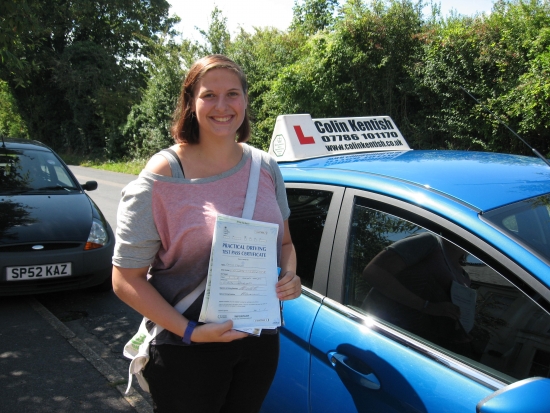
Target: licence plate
[38, 272]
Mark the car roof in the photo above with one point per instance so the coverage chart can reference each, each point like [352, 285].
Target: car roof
[18, 143]
[481, 180]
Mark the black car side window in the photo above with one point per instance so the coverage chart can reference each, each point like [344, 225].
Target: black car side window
[427, 287]
[309, 209]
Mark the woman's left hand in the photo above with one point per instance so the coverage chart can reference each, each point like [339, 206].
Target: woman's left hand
[289, 286]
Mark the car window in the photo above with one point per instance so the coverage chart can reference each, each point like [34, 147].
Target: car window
[30, 171]
[308, 213]
[405, 275]
[527, 221]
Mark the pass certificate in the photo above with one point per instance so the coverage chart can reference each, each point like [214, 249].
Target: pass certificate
[242, 275]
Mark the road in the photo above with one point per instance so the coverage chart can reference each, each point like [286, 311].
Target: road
[107, 194]
[62, 352]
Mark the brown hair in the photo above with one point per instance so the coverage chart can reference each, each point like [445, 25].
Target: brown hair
[185, 127]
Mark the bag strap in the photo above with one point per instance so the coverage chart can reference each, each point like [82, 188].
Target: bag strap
[181, 306]
[174, 161]
[177, 158]
[253, 181]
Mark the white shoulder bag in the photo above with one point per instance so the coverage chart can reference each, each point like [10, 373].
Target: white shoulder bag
[137, 349]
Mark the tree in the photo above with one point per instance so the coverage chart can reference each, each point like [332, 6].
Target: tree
[11, 124]
[263, 56]
[311, 16]
[217, 36]
[503, 60]
[524, 92]
[358, 68]
[18, 22]
[87, 66]
[147, 129]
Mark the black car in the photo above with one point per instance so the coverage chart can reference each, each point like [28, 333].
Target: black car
[53, 237]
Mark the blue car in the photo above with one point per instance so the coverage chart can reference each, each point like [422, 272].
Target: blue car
[426, 274]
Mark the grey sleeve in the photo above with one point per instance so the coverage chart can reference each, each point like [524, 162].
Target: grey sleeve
[137, 238]
[280, 189]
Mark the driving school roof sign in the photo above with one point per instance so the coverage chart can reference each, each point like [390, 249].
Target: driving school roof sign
[298, 137]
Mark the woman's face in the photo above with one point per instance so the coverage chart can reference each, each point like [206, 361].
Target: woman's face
[219, 104]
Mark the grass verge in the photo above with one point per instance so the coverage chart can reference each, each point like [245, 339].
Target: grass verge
[127, 166]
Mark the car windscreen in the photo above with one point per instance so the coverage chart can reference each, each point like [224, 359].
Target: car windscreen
[527, 221]
[33, 171]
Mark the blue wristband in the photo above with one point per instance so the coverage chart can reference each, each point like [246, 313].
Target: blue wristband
[188, 331]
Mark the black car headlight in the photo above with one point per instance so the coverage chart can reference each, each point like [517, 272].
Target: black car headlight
[98, 235]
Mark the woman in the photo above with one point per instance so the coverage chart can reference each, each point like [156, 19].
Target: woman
[164, 236]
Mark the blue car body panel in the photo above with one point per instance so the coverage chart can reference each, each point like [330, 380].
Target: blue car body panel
[292, 394]
[408, 381]
[507, 178]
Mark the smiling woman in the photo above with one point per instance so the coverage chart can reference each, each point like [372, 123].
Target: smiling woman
[165, 229]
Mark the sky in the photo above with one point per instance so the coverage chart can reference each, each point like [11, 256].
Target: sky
[275, 13]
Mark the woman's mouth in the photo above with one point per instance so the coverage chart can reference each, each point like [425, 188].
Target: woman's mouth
[221, 119]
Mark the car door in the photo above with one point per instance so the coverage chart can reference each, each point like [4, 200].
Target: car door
[314, 214]
[368, 354]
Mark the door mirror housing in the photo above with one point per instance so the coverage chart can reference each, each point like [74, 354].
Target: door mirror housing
[89, 186]
[530, 395]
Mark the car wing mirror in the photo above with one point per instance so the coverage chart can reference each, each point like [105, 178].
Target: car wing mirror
[89, 186]
[530, 395]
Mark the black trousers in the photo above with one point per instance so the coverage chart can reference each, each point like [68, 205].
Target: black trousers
[212, 377]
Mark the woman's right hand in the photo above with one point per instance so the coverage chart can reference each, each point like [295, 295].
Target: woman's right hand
[444, 309]
[214, 332]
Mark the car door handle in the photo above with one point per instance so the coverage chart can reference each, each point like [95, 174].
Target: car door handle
[355, 371]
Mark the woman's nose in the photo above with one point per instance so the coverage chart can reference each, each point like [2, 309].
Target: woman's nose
[221, 102]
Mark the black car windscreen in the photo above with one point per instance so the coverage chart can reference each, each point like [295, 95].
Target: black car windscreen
[30, 171]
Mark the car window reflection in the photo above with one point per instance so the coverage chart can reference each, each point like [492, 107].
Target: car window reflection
[527, 221]
[29, 171]
[419, 284]
[13, 215]
[391, 260]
